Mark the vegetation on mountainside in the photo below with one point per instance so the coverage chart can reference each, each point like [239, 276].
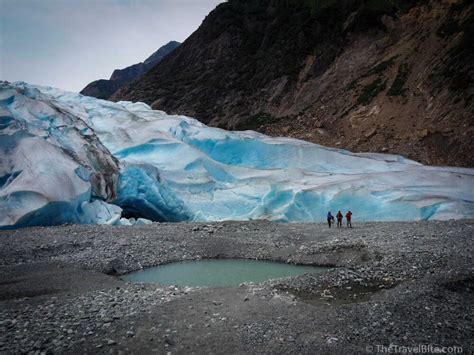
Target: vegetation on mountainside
[370, 91]
[458, 66]
[398, 85]
[381, 67]
[367, 13]
[315, 27]
[380, 7]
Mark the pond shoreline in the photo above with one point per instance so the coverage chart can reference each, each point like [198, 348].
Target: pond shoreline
[408, 284]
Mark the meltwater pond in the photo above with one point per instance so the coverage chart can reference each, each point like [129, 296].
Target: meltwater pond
[218, 272]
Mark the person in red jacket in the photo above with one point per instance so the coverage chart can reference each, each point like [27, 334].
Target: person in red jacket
[349, 218]
[339, 219]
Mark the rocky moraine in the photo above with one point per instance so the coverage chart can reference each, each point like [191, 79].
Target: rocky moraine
[387, 284]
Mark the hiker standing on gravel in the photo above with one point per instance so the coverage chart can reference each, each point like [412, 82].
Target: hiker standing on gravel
[349, 218]
[330, 219]
[339, 219]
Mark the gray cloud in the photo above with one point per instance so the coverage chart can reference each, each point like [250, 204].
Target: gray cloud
[69, 43]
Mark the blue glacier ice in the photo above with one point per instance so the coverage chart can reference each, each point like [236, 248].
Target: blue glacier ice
[174, 168]
[53, 169]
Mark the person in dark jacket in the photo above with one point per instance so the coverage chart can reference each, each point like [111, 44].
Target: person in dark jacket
[339, 219]
[330, 219]
[349, 218]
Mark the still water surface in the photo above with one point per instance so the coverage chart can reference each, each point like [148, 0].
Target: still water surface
[218, 272]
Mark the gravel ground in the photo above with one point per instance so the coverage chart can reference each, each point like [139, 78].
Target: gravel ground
[388, 284]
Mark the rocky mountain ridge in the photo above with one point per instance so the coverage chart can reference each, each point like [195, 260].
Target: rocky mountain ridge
[103, 89]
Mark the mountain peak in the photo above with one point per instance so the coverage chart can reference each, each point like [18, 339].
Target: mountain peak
[103, 89]
[162, 52]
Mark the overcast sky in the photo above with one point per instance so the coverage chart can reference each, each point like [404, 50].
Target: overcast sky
[69, 43]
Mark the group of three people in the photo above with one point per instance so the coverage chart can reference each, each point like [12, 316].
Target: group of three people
[339, 219]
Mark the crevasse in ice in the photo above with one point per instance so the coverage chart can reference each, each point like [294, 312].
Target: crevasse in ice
[174, 168]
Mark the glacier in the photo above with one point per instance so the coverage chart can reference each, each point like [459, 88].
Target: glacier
[53, 168]
[68, 158]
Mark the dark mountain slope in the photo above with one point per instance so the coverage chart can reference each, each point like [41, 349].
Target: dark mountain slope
[103, 89]
[385, 76]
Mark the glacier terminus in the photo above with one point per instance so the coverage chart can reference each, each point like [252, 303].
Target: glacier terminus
[68, 158]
